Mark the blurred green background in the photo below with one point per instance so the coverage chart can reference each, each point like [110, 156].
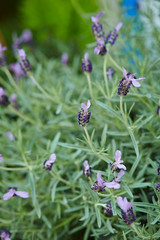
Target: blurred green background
[58, 26]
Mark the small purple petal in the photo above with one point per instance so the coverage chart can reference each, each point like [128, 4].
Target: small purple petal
[118, 156]
[119, 25]
[124, 204]
[2, 92]
[113, 184]
[22, 54]
[96, 19]
[22, 194]
[99, 179]
[52, 158]
[8, 195]
[86, 56]
[87, 167]
[125, 73]
[120, 174]
[135, 83]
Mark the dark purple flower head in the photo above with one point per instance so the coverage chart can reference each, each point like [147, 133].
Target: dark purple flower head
[112, 36]
[5, 235]
[49, 163]
[97, 27]
[158, 108]
[14, 102]
[115, 183]
[86, 65]
[25, 65]
[100, 49]
[116, 166]
[127, 212]
[13, 192]
[1, 158]
[87, 169]
[108, 209]
[110, 72]
[158, 169]
[127, 82]
[17, 69]
[99, 184]
[158, 187]
[64, 59]
[84, 115]
[3, 98]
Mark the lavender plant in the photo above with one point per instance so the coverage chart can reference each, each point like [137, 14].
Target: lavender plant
[45, 148]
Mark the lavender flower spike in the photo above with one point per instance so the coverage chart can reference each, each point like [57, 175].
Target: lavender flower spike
[11, 136]
[158, 108]
[117, 164]
[127, 82]
[64, 59]
[99, 185]
[26, 36]
[84, 115]
[108, 209]
[14, 102]
[116, 182]
[87, 169]
[1, 158]
[127, 212]
[49, 163]
[86, 65]
[2, 49]
[4, 235]
[17, 69]
[25, 65]
[158, 187]
[3, 98]
[110, 72]
[13, 192]
[112, 36]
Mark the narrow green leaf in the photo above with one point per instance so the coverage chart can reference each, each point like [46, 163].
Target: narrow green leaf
[112, 111]
[38, 210]
[156, 220]
[32, 183]
[54, 189]
[135, 164]
[133, 141]
[98, 215]
[48, 224]
[104, 135]
[55, 142]
[127, 189]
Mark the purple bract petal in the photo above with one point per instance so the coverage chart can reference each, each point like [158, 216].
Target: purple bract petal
[22, 54]
[124, 204]
[113, 184]
[87, 167]
[119, 25]
[96, 19]
[8, 195]
[22, 194]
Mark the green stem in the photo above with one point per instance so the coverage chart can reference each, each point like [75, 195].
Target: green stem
[40, 88]
[27, 119]
[89, 85]
[105, 75]
[114, 63]
[12, 169]
[89, 140]
[12, 81]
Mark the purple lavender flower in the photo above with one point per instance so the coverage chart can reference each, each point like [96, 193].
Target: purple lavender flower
[84, 115]
[26, 36]
[64, 59]
[115, 182]
[5, 235]
[158, 169]
[158, 187]
[86, 65]
[116, 166]
[49, 163]
[110, 72]
[87, 169]
[99, 185]
[108, 209]
[12, 191]
[101, 48]
[158, 108]
[127, 212]
[1, 158]
[127, 82]
[11, 136]
[3, 59]
[112, 36]
[17, 69]
[14, 102]
[98, 33]
[3, 98]
[25, 65]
